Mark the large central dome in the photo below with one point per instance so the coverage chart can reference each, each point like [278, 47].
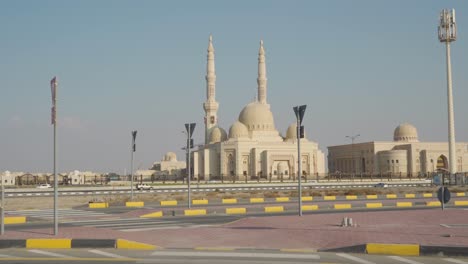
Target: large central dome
[257, 116]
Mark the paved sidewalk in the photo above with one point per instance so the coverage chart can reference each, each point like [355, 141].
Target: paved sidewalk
[314, 231]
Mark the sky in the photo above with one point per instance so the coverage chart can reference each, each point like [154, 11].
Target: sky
[361, 67]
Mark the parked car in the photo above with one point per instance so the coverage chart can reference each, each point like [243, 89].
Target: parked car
[144, 186]
[43, 186]
[381, 185]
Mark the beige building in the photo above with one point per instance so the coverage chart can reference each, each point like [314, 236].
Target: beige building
[253, 147]
[169, 166]
[9, 178]
[405, 154]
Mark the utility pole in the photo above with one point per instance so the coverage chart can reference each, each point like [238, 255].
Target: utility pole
[190, 127]
[299, 111]
[53, 87]
[133, 149]
[448, 33]
[352, 151]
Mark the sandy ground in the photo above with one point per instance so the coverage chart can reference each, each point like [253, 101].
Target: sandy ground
[27, 203]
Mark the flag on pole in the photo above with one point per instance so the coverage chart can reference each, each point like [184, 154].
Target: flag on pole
[53, 88]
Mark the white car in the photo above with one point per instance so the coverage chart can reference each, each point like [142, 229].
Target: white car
[144, 187]
[43, 186]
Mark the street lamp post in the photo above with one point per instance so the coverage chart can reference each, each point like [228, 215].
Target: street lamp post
[299, 111]
[133, 149]
[190, 127]
[53, 88]
[352, 151]
[2, 228]
[448, 33]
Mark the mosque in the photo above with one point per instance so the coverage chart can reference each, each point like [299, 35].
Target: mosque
[253, 148]
[404, 155]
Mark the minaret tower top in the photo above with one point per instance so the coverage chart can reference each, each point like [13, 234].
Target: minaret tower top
[262, 79]
[210, 106]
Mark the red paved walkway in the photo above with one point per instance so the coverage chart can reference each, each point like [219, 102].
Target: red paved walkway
[317, 231]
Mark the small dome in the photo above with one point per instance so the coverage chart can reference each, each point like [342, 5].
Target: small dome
[217, 135]
[170, 156]
[238, 130]
[405, 132]
[257, 116]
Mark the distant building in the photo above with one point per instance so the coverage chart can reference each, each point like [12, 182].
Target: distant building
[405, 155]
[168, 167]
[9, 178]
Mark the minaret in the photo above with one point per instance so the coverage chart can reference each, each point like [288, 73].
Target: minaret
[210, 105]
[262, 80]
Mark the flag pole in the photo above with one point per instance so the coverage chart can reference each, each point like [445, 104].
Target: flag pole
[53, 84]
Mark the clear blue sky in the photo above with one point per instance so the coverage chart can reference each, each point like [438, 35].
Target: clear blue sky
[362, 67]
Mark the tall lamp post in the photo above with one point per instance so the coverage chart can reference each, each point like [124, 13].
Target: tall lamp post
[133, 149]
[2, 228]
[299, 111]
[352, 151]
[53, 88]
[190, 127]
[448, 33]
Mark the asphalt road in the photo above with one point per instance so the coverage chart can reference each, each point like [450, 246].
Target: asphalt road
[195, 187]
[203, 256]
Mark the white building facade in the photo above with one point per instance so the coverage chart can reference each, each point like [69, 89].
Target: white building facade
[253, 148]
[405, 155]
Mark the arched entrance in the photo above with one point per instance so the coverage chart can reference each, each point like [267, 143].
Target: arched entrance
[442, 162]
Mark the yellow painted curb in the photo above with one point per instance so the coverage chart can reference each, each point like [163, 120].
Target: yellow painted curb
[14, 220]
[310, 207]
[199, 201]
[371, 196]
[393, 249]
[155, 214]
[282, 199]
[236, 210]
[169, 203]
[274, 209]
[433, 203]
[307, 198]
[461, 203]
[135, 204]
[342, 206]
[195, 212]
[98, 205]
[351, 197]
[427, 195]
[391, 196]
[404, 204]
[329, 198]
[229, 201]
[48, 243]
[257, 200]
[373, 205]
[460, 194]
[127, 244]
[410, 195]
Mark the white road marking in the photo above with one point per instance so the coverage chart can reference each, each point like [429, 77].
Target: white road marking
[455, 261]
[235, 255]
[37, 251]
[5, 256]
[168, 226]
[409, 261]
[353, 258]
[124, 224]
[107, 254]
